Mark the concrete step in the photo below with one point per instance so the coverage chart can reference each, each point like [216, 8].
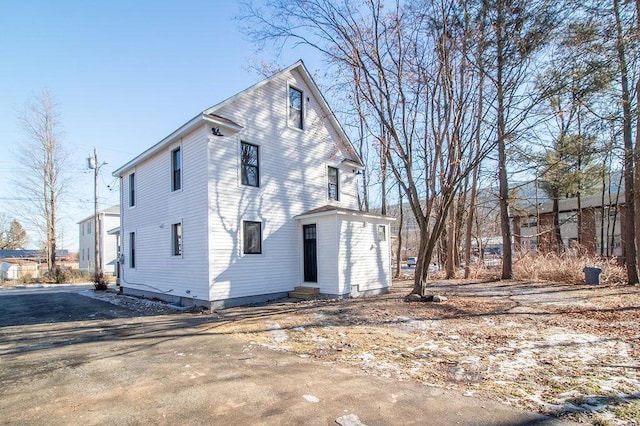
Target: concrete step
[304, 293]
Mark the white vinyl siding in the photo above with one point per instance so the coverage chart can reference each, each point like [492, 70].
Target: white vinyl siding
[213, 203]
[364, 261]
[293, 180]
[157, 209]
[86, 246]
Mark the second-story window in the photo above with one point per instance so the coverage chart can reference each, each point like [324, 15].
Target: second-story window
[132, 189]
[332, 174]
[176, 169]
[295, 108]
[250, 166]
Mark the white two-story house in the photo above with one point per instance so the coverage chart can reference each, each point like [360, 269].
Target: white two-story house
[249, 199]
[109, 220]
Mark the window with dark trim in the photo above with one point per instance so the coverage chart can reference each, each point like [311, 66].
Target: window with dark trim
[295, 108]
[132, 250]
[176, 169]
[250, 164]
[251, 237]
[382, 233]
[176, 238]
[132, 190]
[332, 174]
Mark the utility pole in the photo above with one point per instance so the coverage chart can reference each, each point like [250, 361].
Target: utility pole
[94, 165]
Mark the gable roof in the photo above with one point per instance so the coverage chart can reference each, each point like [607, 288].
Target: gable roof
[109, 211]
[210, 115]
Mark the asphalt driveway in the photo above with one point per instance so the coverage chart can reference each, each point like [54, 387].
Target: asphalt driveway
[66, 358]
[53, 307]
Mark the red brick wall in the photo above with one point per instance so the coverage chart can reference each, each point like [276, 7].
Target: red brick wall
[588, 231]
[546, 236]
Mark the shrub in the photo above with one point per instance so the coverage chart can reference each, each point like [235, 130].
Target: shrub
[100, 283]
[26, 278]
[565, 268]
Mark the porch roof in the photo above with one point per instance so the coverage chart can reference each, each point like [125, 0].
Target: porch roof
[335, 210]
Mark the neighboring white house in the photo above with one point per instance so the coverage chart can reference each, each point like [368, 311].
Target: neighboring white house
[109, 219]
[9, 271]
[249, 199]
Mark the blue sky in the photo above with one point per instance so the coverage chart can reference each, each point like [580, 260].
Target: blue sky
[124, 74]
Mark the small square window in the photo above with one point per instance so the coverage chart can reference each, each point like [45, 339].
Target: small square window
[252, 237]
[250, 166]
[295, 108]
[132, 190]
[176, 238]
[176, 169]
[332, 174]
[382, 233]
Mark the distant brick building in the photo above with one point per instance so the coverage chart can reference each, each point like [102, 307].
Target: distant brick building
[600, 231]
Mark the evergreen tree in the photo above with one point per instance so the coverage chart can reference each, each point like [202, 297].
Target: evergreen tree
[14, 238]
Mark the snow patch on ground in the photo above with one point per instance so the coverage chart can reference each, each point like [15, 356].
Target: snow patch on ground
[277, 333]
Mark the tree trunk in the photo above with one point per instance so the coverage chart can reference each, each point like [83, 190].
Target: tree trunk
[383, 172]
[401, 221]
[476, 168]
[505, 228]
[451, 244]
[556, 239]
[469, 227]
[630, 180]
[422, 265]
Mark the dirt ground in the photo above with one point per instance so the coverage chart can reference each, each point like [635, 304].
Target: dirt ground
[560, 349]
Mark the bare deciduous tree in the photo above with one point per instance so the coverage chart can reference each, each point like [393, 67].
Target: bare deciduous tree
[408, 65]
[44, 175]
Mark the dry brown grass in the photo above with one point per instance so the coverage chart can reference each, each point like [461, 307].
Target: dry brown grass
[566, 268]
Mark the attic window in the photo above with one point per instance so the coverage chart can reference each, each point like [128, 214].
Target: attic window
[295, 108]
[132, 190]
[176, 169]
[332, 189]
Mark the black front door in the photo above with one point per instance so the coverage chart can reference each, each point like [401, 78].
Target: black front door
[310, 258]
